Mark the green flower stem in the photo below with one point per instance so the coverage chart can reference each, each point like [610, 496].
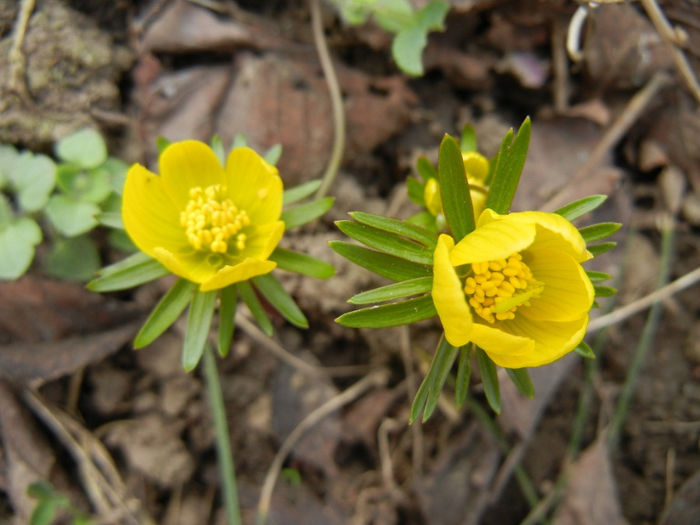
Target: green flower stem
[223, 440]
[645, 341]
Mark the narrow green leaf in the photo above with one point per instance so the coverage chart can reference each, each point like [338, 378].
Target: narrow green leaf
[300, 192]
[581, 207]
[218, 147]
[227, 315]
[604, 291]
[395, 314]
[394, 291]
[598, 249]
[424, 219]
[490, 380]
[199, 319]
[464, 372]
[166, 312]
[386, 242]
[584, 350]
[239, 141]
[301, 263]
[598, 276]
[382, 264]
[398, 227]
[444, 364]
[426, 169]
[306, 212]
[454, 189]
[596, 232]
[250, 298]
[428, 384]
[273, 154]
[277, 296]
[44, 512]
[467, 142]
[508, 167]
[521, 379]
[162, 143]
[130, 272]
[416, 191]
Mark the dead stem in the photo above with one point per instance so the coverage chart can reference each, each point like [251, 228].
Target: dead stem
[373, 379]
[18, 62]
[411, 389]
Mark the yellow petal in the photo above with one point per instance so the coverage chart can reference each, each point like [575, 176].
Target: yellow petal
[187, 164]
[567, 294]
[554, 232]
[262, 242]
[240, 272]
[504, 349]
[150, 217]
[192, 265]
[494, 240]
[448, 296]
[254, 185]
[552, 339]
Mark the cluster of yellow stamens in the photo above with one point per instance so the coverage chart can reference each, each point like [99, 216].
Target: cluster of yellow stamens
[497, 288]
[211, 220]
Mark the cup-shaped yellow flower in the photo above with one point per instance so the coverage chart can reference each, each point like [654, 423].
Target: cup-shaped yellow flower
[209, 224]
[515, 287]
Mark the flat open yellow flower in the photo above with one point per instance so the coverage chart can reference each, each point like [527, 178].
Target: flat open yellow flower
[515, 287]
[212, 225]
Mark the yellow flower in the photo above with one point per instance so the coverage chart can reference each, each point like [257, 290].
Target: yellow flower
[212, 225]
[476, 168]
[515, 287]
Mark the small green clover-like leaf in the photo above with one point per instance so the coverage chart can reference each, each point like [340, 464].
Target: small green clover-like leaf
[33, 177]
[8, 157]
[74, 259]
[93, 185]
[5, 210]
[85, 148]
[410, 40]
[17, 241]
[117, 170]
[71, 217]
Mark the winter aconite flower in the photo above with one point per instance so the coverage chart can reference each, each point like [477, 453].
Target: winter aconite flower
[212, 225]
[515, 287]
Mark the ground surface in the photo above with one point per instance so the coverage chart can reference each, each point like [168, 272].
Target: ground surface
[77, 395]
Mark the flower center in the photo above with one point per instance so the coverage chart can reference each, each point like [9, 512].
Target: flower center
[497, 288]
[211, 221]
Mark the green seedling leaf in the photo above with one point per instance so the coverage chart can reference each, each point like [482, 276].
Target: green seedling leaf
[429, 384]
[162, 143]
[391, 15]
[218, 147]
[382, 264]
[598, 249]
[74, 259]
[405, 229]
[8, 157]
[301, 263]
[454, 189]
[394, 291]
[85, 148]
[70, 217]
[119, 240]
[306, 212]
[6, 214]
[443, 365]
[416, 191]
[112, 219]
[277, 296]
[581, 207]
[134, 270]
[468, 140]
[386, 242]
[395, 314]
[596, 232]
[166, 312]
[490, 380]
[598, 276]
[426, 169]
[508, 167]
[117, 170]
[227, 315]
[199, 319]
[464, 372]
[411, 39]
[300, 192]
[84, 185]
[17, 241]
[291, 476]
[521, 379]
[33, 177]
[272, 155]
[604, 291]
[250, 298]
[584, 350]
